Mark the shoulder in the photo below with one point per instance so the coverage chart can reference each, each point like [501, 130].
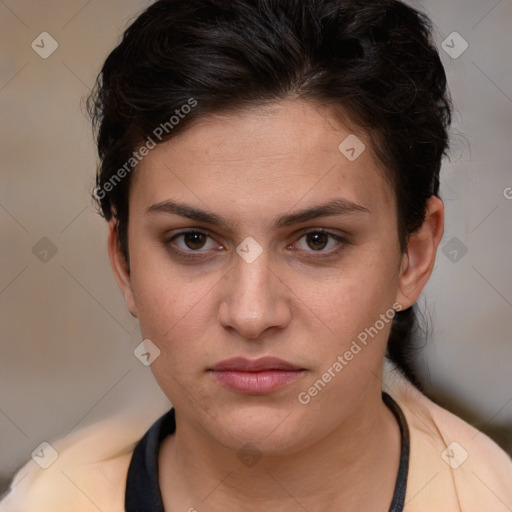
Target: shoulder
[453, 466]
[89, 473]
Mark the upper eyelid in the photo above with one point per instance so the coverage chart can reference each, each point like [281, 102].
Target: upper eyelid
[186, 232]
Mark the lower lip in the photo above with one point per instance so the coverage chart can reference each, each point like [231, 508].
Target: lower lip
[256, 383]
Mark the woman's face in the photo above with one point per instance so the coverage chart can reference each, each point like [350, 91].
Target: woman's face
[293, 255]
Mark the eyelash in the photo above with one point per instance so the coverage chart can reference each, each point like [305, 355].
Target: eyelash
[199, 254]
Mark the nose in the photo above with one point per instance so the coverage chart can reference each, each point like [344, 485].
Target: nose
[254, 299]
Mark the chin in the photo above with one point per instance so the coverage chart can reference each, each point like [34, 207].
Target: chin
[270, 428]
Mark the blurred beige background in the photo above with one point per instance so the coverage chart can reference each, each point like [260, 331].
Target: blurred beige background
[67, 339]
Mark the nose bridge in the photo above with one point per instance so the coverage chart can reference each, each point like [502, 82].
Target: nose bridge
[253, 300]
[252, 281]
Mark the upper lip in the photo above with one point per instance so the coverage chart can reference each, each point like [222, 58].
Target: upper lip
[242, 364]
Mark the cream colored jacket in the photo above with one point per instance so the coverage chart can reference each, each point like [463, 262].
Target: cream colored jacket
[452, 468]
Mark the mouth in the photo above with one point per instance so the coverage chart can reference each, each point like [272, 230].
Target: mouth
[255, 377]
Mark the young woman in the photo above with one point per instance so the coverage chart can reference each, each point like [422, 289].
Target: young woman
[270, 175]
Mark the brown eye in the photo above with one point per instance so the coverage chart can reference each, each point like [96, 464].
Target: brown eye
[317, 241]
[195, 241]
[192, 246]
[320, 244]
[192, 241]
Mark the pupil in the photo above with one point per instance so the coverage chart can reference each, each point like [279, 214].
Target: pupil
[317, 241]
[194, 240]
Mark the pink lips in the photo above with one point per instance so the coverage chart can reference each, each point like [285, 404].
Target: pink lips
[256, 377]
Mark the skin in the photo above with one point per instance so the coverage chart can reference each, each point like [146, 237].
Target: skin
[252, 167]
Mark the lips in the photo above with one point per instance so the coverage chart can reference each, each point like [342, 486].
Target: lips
[258, 365]
[256, 377]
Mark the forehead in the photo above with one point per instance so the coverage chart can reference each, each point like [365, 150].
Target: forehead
[283, 154]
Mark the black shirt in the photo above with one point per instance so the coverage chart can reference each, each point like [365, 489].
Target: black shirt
[143, 491]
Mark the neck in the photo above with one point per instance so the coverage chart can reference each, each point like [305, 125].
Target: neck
[360, 454]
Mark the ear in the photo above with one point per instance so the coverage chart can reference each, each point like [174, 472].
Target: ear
[418, 262]
[120, 266]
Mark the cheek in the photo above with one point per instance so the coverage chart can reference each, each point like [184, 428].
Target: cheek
[353, 297]
[169, 307]
[173, 315]
[165, 300]
[177, 311]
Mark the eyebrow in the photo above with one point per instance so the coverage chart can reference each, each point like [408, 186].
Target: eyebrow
[336, 207]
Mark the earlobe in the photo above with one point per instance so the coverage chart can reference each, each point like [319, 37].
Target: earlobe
[120, 267]
[418, 262]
